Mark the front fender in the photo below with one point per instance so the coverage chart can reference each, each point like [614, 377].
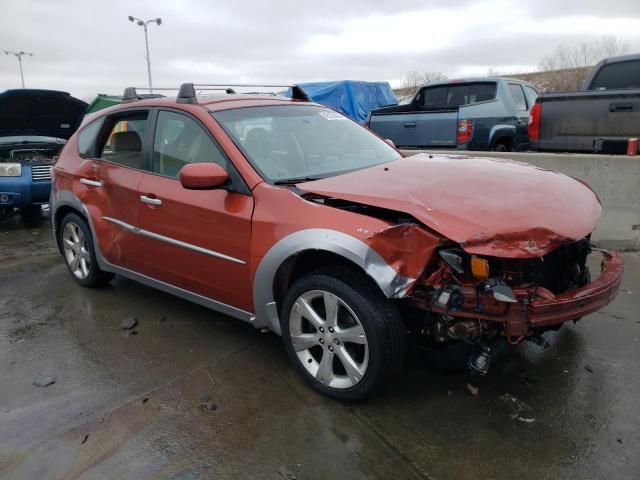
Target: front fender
[390, 282]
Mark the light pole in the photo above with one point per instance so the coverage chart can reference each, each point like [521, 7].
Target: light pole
[19, 57]
[143, 24]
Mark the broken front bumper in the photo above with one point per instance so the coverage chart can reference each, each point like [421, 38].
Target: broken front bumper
[539, 308]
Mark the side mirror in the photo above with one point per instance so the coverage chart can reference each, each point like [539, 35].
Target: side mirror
[203, 176]
[390, 142]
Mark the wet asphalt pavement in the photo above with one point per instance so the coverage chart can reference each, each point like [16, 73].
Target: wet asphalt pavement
[194, 394]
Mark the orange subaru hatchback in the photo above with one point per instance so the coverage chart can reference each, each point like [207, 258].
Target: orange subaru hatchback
[286, 214]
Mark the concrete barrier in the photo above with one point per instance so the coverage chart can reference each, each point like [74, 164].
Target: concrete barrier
[616, 180]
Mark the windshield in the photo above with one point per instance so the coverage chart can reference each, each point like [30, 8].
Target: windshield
[302, 141]
[30, 139]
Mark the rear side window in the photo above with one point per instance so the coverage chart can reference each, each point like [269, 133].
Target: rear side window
[518, 97]
[617, 76]
[124, 142]
[531, 95]
[457, 95]
[87, 138]
[180, 140]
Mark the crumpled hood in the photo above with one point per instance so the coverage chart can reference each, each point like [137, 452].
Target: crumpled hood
[46, 113]
[490, 206]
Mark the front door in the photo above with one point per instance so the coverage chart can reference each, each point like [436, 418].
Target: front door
[197, 240]
[112, 181]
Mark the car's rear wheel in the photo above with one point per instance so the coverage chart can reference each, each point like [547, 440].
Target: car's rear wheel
[502, 146]
[78, 252]
[343, 335]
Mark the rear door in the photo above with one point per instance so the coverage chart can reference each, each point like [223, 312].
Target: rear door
[521, 114]
[197, 240]
[109, 183]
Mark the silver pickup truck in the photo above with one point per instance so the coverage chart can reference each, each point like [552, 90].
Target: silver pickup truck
[601, 118]
[489, 113]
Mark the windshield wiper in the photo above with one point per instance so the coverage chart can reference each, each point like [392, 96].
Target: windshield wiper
[293, 181]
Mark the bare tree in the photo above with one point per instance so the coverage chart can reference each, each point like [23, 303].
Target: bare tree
[567, 66]
[430, 77]
[414, 79]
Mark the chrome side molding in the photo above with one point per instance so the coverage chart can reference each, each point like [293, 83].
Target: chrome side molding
[172, 241]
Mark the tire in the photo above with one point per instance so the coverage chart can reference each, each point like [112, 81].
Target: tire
[364, 351]
[501, 147]
[76, 243]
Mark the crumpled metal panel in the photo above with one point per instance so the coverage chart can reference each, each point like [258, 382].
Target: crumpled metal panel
[490, 206]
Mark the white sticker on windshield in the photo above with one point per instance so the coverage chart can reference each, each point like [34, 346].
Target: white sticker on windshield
[329, 115]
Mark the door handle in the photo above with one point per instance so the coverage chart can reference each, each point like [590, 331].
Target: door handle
[623, 107]
[410, 125]
[91, 183]
[150, 200]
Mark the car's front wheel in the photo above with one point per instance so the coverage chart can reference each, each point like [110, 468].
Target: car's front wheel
[343, 335]
[78, 252]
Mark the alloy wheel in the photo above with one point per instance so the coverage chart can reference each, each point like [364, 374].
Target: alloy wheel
[76, 253]
[329, 339]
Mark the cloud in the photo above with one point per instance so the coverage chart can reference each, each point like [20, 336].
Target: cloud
[89, 46]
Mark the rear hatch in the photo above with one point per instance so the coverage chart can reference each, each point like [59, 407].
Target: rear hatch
[46, 113]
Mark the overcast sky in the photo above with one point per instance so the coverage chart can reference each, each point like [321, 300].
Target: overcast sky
[89, 46]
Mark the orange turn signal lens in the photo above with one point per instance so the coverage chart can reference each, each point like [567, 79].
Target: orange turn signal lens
[479, 268]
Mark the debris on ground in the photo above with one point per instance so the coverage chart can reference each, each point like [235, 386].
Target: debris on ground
[145, 400]
[84, 440]
[44, 381]
[588, 368]
[207, 404]
[129, 323]
[518, 407]
[472, 390]
[286, 474]
[526, 420]
[515, 403]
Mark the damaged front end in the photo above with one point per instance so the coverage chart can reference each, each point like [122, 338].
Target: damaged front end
[471, 298]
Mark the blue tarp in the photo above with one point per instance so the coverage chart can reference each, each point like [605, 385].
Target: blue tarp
[352, 98]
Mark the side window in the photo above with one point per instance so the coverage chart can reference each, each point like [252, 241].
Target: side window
[458, 95]
[180, 140]
[434, 96]
[124, 143]
[87, 138]
[616, 76]
[518, 97]
[531, 95]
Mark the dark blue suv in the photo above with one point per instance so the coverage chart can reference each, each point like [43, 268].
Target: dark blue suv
[34, 126]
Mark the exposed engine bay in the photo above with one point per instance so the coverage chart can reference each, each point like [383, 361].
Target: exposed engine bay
[29, 155]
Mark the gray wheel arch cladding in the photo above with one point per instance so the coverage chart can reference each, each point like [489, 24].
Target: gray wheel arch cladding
[390, 282]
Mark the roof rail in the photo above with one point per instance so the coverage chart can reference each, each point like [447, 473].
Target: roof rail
[131, 95]
[187, 91]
